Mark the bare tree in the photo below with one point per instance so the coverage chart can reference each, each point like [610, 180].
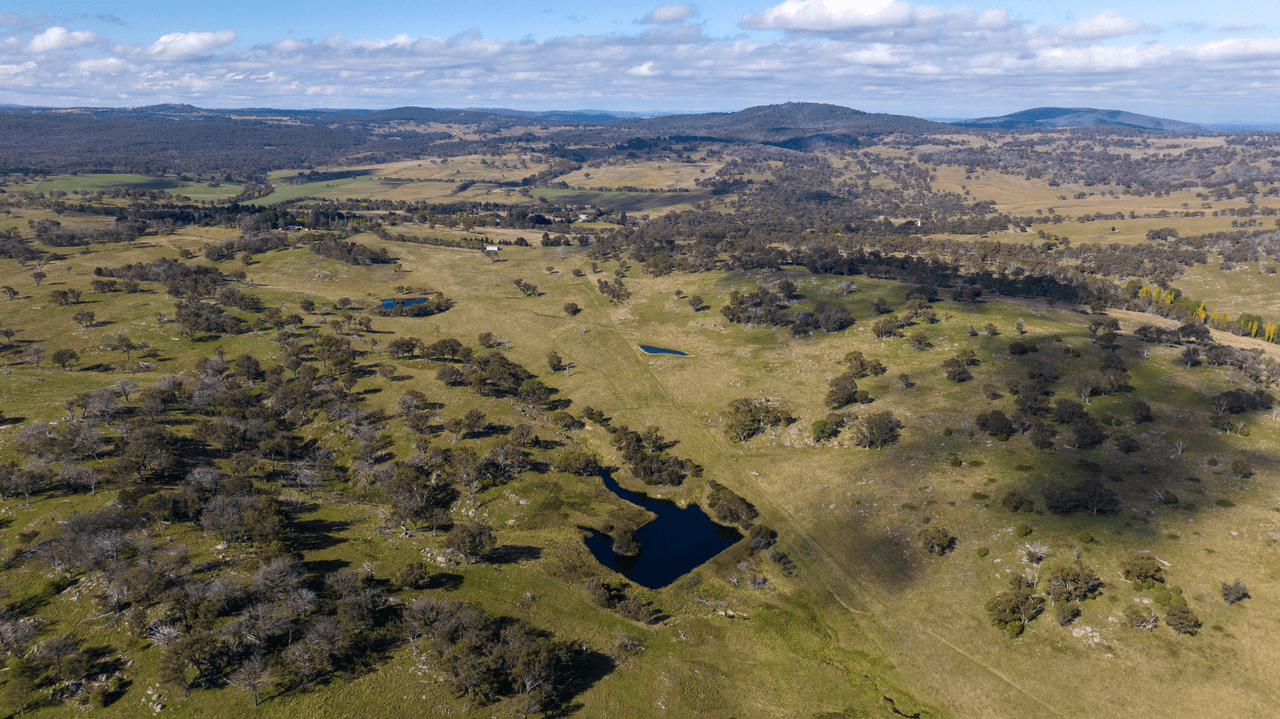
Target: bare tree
[1179, 446]
[35, 353]
[252, 675]
[1085, 387]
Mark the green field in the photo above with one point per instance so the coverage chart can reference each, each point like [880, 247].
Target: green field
[851, 616]
[172, 185]
[868, 614]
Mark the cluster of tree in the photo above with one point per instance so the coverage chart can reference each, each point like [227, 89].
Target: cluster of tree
[254, 243]
[1066, 585]
[1143, 570]
[489, 657]
[494, 375]
[747, 418]
[352, 253]
[825, 316]
[645, 455]
[53, 234]
[179, 279]
[616, 291]
[844, 391]
[762, 307]
[1087, 495]
[730, 508]
[876, 430]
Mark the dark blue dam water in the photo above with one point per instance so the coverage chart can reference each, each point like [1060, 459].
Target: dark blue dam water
[661, 351]
[391, 304]
[674, 543]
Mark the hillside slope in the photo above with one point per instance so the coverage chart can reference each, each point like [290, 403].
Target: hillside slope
[1060, 117]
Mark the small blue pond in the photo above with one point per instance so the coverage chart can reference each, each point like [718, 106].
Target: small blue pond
[661, 351]
[391, 304]
[674, 543]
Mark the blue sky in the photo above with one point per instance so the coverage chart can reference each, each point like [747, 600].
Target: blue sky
[1187, 60]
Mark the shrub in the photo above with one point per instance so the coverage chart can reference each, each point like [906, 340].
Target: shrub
[824, 430]
[1127, 444]
[979, 496]
[599, 594]
[1014, 500]
[1011, 609]
[1140, 618]
[935, 540]
[625, 544]
[1066, 613]
[473, 541]
[1141, 568]
[1234, 592]
[635, 610]
[1181, 619]
[1084, 537]
[1241, 469]
[982, 552]
[1022, 529]
[414, 576]
[876, 430]
[954, 461]
[1071, 582]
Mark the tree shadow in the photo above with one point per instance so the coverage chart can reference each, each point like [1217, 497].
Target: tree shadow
[592, 668]
[445, 581]
[514, 554]
[313, 534]
[324, 567]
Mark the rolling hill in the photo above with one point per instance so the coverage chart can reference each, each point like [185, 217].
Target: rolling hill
[1063, 117]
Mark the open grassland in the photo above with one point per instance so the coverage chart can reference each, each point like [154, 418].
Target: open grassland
[848, 516]
[798, 654]
[424, 181]
[94, 182]
[853, 512]
[868, 614]
[646, 173]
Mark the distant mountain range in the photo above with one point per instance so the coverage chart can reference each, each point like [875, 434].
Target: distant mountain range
[792, 124]
[258, 140]
[1065, 117]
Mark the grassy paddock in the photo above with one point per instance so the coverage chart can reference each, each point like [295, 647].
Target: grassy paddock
[868, 614]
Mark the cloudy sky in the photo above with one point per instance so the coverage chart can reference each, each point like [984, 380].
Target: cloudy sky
[1196, 61]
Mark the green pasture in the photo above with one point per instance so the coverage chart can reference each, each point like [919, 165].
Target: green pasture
[867, 615]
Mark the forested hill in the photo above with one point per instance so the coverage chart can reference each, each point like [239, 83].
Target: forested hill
[1063, 117]
[159, 139]
[792, 124]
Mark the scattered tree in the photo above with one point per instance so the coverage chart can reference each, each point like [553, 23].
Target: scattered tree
[1234, 592]
[64, 358]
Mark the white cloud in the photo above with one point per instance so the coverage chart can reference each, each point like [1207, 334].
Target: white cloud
[1236, 50]
[1105, 26]
[918, 60]
[60, 38]
[670, 12]
[102, 66]
[832, 15]
[289, 45]
[15, 69]
[179, 45]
